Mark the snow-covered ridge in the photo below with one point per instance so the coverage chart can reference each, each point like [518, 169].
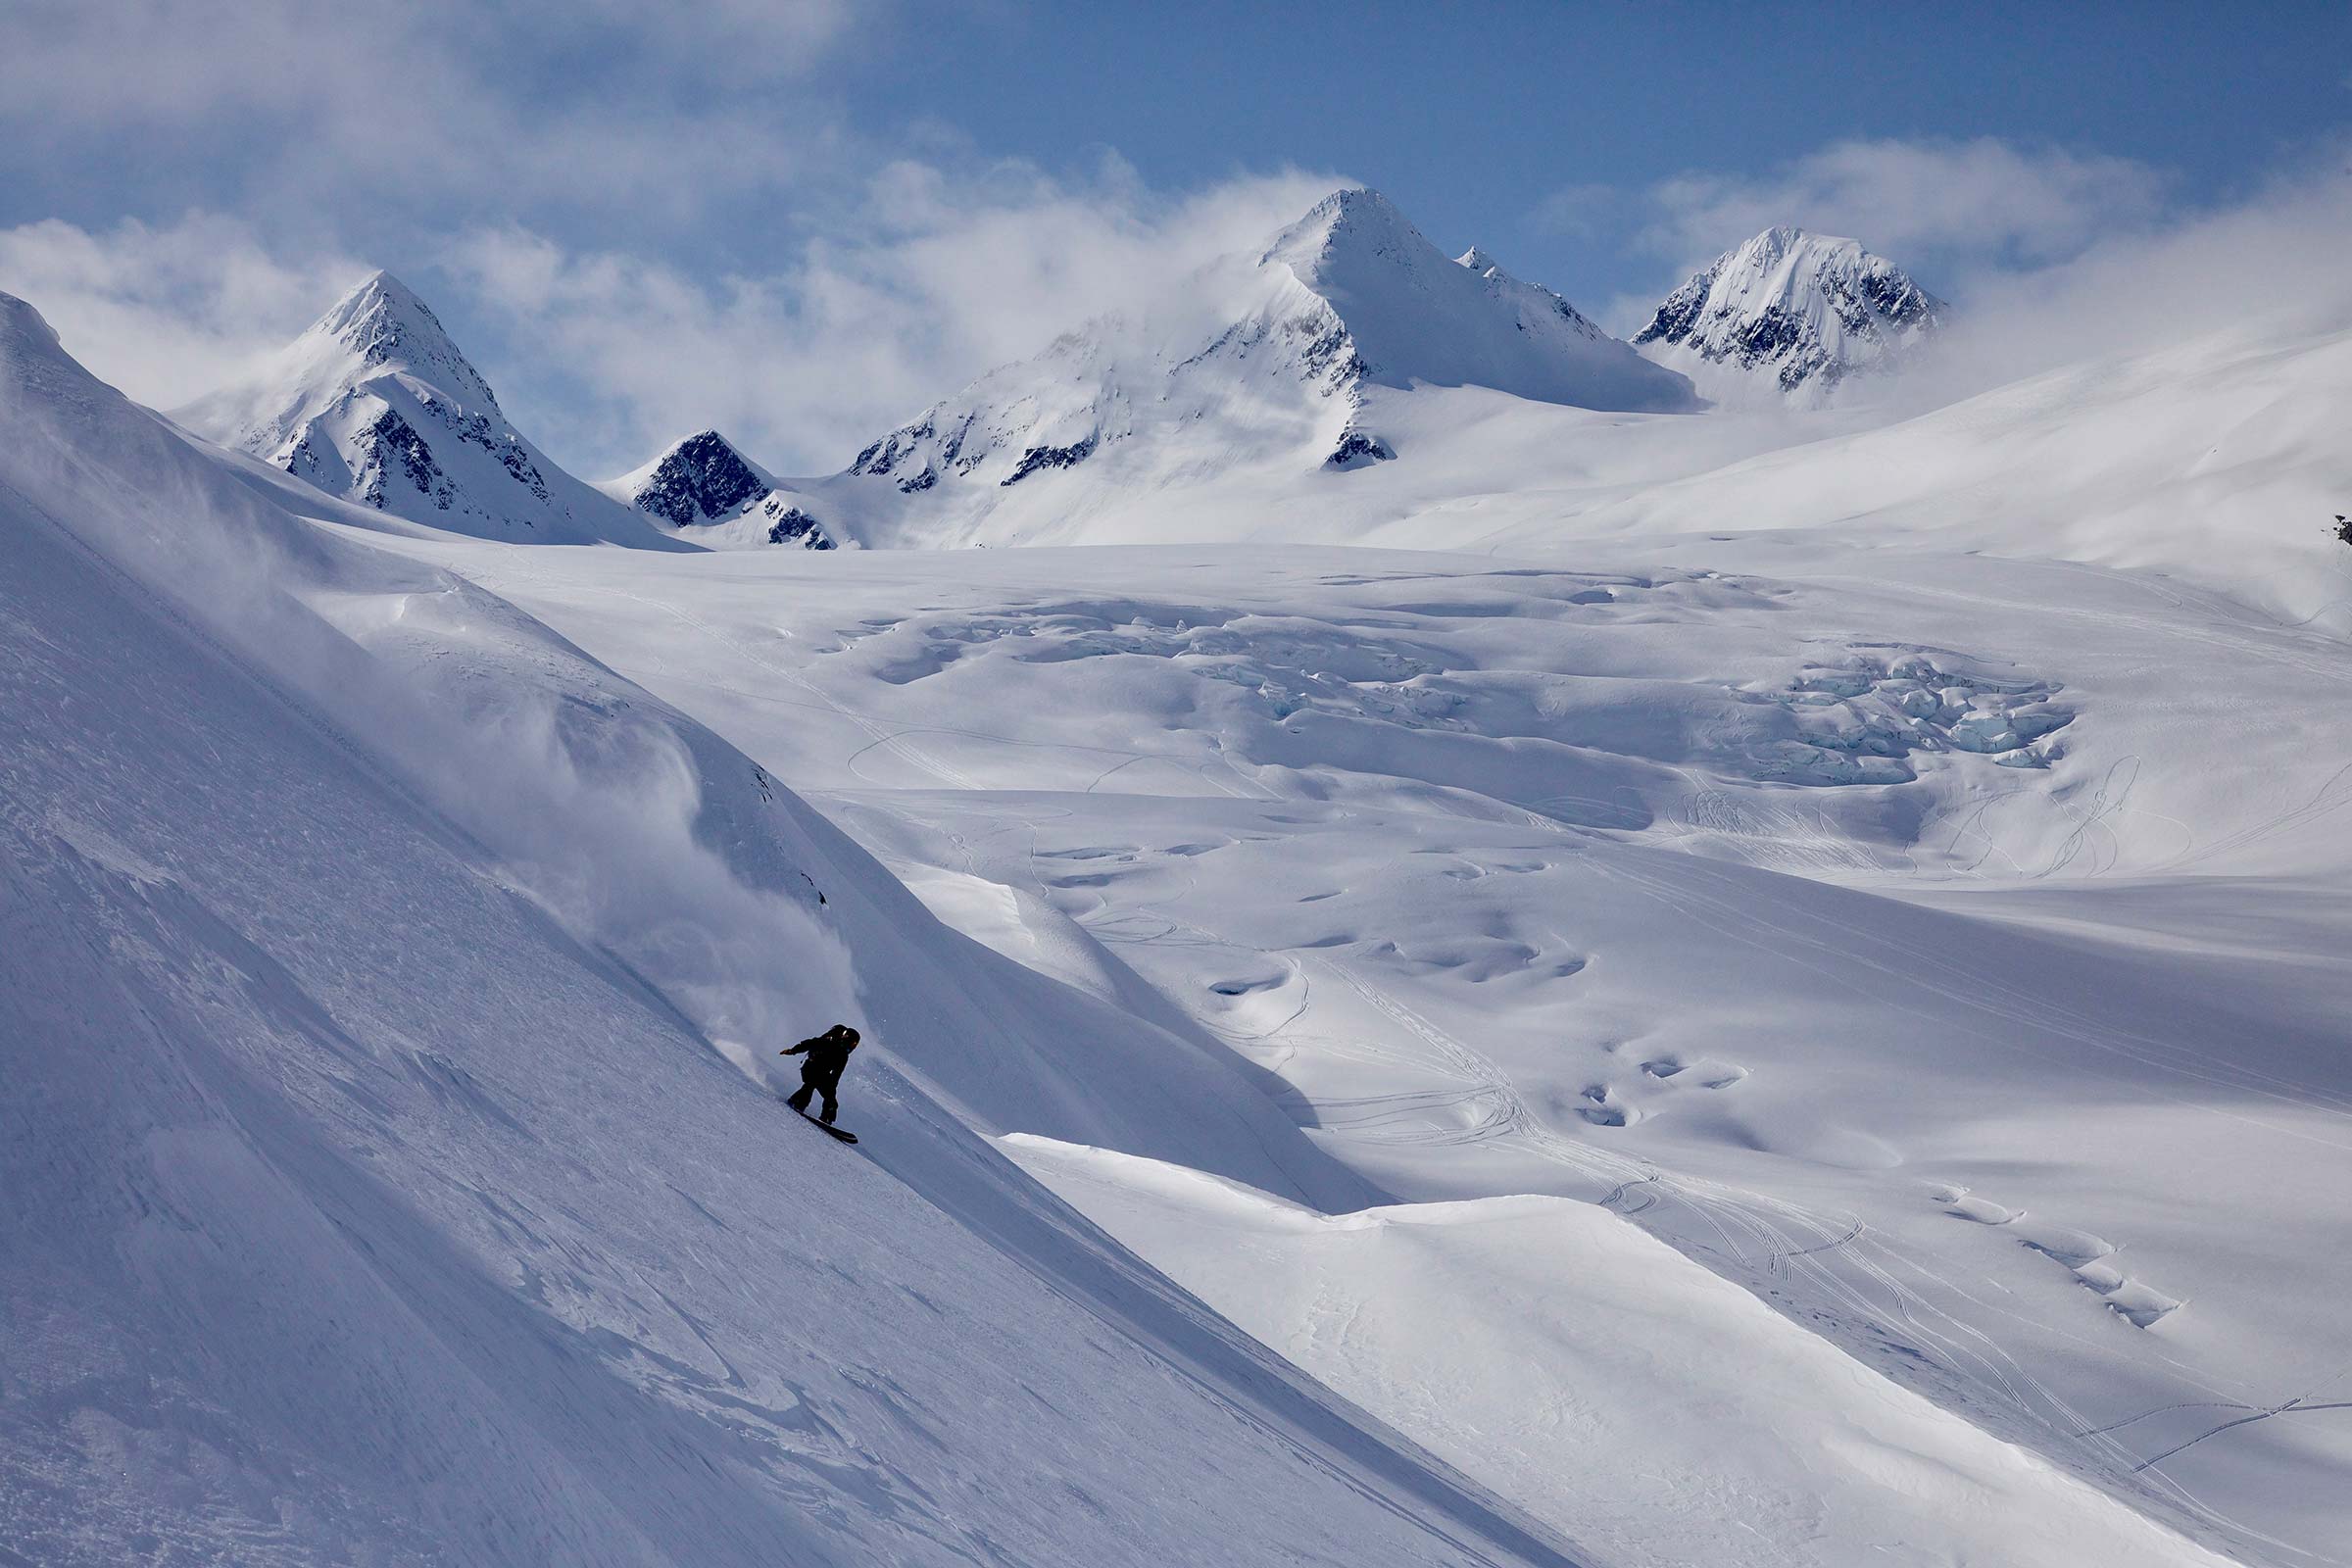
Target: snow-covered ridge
[375, 404]
[385, 325]
[1792, 312]
[703, 482]
[1412, 315]
[1257, 358]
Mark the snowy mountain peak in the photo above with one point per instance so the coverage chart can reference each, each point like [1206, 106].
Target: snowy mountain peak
[705, 483]
[375, 404]
[1415, 316]
[1272, 358]
[695, 481]
[1791, 310]
[1353, 222]
[385, 325]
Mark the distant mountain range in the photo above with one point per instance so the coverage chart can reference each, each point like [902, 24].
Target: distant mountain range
[1307, 355]
[1275, 350]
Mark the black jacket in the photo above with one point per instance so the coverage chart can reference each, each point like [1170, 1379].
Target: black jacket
[827, 1054]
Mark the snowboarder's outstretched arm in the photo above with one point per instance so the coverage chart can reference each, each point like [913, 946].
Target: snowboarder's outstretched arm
[839, 1031]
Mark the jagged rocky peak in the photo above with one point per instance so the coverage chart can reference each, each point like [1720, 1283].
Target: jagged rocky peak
[1798, 310]
[699, 480]
[385, 325]
[375, 404]
[1478, 261]
[707, 485]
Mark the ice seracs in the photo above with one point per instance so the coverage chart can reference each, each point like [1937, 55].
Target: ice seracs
[702, 483]
[375, 404]
[1790, 314]
[1272, 358]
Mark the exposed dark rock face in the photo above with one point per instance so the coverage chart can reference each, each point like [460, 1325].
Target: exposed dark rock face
[1037, 458]
[793, 526]
[389, 444]
[701, 478]
[1808, 310]
[1356, 449]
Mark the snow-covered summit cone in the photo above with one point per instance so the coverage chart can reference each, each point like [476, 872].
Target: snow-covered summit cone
[1790, 311]
[1263, 358]
[704, 483]
[375, 404]
[1412, 315]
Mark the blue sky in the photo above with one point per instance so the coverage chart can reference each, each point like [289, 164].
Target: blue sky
[800, 219]
[1475, 118]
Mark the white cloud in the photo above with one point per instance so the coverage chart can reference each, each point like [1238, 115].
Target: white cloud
[2279, 261]
[927, 278]
[1909, 199]
[931, 280]
[167, 313]
[437, 102]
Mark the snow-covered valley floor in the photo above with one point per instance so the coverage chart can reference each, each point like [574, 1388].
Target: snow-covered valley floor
[1939, 954]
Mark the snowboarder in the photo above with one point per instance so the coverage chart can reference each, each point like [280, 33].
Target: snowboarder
[828, 1054]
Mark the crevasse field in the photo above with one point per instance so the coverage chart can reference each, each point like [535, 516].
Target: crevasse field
[1623, 984]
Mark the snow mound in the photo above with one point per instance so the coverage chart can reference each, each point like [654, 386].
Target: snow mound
[373, 404]
[1792, 312]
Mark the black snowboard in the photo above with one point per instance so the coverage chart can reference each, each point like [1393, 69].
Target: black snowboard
[844, 1137]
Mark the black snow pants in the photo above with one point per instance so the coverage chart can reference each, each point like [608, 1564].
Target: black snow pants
[817, 1079]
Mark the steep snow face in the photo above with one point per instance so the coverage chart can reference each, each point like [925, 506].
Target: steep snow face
[375, 404]
[705, 483]
[1259, 362]
[1789, 313]
[376, 1192]
[1412, 316]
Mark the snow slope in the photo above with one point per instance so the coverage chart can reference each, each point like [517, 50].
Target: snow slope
[2217, 463]
[1790, 314]
[704, 483]
[1873, 926]
[1585, 1336]
[394, 1169]
[373, 404]
[1262, 365]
